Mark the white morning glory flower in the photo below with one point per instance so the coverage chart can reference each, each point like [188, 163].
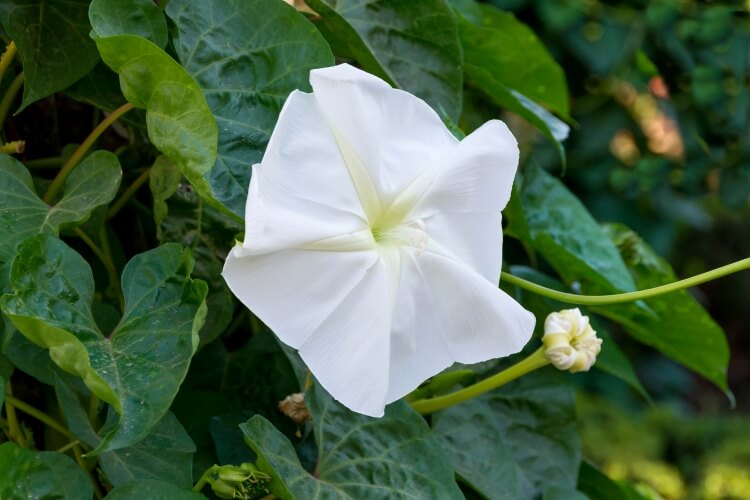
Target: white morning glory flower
[373, 239]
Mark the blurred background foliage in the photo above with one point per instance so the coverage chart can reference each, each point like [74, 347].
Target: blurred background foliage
[660, 141]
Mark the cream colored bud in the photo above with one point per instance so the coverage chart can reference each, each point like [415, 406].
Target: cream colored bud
[293, 406]
[569, 341]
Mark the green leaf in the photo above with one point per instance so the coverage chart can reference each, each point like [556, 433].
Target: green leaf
[53, 42]
[152, 490]
[41, 475]
[517, 441]
[515, 57]
[596, 484]
[100, 88]
[413, 45]
[359, 457]
[681, 329]
[92, 183]
[134, 17]
[246, 69]
[179, 121]
[564, 232]
[557, 493]
[210, 235]
[163, 181]
[140, 365]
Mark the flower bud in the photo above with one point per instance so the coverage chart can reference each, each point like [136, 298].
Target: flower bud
[569, 341]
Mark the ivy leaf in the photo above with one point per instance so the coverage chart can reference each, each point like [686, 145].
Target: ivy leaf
[155, 489]
[92, 183]
[41, 474]
[246, 69]
[140, 365]
[135, 17]
[517, 441]
[413, 45]
[359, 457]
[178, 119]
[681, 328]
[53, 42]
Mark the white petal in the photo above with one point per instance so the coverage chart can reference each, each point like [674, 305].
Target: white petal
[476, 175]
[349, 352]
[394, 133]
[477, 320]
[475, 238]
[294, 291]
[418, 350]
[301, 191]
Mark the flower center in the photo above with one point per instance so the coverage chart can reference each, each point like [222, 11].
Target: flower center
[410, 234]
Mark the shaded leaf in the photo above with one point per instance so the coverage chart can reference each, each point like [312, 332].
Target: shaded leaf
[163, 182]
[413, 45]
[246, 69]
[153, 490]
[92, 183]
[681, 329]
[134, 17]
[179, 121]
[53, 42]
[596, 484]
[100, 88]
[139, 367]
[41, 475]
[516, 441]
[395, 456]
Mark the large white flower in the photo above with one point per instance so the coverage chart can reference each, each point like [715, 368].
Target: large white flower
[373, 239]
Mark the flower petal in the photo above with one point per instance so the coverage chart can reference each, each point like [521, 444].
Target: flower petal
[394, 133]
[475, 238]
[301, 191]
[349, 352]
[476, 175]
[294, 291]
[455, 315]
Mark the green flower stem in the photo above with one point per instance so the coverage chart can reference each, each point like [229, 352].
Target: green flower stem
[14, 429]
[114, 279]
[79, 153]
[128, 193]
[10, 96]
[532, 362]
[68, 446]
[7, 58]
[39, 415]
[599, 300]
[78, 454]
[204, 478]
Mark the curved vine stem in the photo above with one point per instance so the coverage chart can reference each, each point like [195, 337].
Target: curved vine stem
[599, 300]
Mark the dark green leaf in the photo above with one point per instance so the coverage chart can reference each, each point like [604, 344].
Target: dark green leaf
[246, 69]
[92, 183]
[514, 56]
[179, 121]
[100, 88]
[134, 17]
[562, 230]
[153, 490]
[517, 441]
[139, 367]
[210, 235]
[359, 457]
[596, 484]
[41, 475]
[557, 493]
[53, 41]
[681, 329]
[413, 45]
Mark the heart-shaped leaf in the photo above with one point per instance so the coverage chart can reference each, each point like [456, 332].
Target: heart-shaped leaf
[246, 69]
[358, 456]
[140, 365]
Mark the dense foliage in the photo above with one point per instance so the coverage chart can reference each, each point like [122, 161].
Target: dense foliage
[127, 368]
